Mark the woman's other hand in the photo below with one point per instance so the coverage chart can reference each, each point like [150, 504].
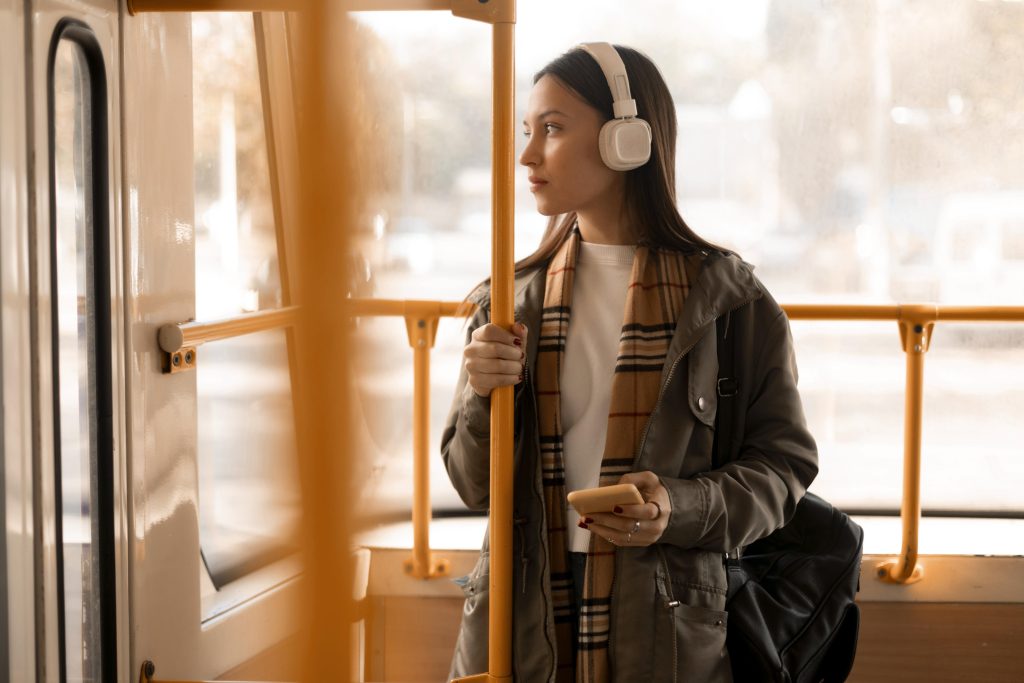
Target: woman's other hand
[634, 525]
[495, 357]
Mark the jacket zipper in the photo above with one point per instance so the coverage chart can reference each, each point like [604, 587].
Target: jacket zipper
[543, 544]
[670, 604]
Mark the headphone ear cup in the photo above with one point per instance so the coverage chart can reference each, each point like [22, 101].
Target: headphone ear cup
[625, 144]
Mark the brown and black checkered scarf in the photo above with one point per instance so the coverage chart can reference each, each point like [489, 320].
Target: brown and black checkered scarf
[658, 285]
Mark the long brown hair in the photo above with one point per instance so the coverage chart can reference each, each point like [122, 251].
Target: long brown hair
[650, 190]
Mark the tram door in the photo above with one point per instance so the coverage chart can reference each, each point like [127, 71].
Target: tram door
[134, 497]
[76, 445]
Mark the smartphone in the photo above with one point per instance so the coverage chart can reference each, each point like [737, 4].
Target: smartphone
[604, 498]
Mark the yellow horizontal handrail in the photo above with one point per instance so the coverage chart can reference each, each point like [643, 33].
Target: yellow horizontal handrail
[172, 337]
[472, 9]
[139, 6]
[385, 307]
[175, 336]
[982, 313]
[893, 312]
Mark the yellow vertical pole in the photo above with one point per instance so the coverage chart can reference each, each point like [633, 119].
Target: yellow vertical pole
[502, 15]
[422, 330]
[327, 148]
[421, 469]
[911, 508]
[502, 266]
[916, 324]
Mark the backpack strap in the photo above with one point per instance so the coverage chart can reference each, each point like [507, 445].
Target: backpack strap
[728, 387]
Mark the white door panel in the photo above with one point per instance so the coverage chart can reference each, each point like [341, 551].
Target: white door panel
[18, 569]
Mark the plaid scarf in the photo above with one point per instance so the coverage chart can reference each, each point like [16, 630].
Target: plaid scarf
[659, 283]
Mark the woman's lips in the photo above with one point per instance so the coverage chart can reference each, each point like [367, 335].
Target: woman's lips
[536, 184]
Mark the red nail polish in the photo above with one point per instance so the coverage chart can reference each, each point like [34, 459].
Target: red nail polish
[617, 510]
[517, 341]
[588, 520]
[582, 525]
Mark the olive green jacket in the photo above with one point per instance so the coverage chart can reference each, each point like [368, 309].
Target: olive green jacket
[668, 600]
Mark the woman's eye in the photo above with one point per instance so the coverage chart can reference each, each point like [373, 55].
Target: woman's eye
[548, 128]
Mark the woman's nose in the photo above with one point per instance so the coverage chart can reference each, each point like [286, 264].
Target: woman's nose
[529, 157]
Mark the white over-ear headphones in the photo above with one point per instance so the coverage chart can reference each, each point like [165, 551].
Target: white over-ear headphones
[625, 141]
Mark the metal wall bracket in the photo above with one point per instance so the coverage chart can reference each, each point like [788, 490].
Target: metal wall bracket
[422, 331]
[894, 571]
[181, 360]
[436, 568]
[917, 322]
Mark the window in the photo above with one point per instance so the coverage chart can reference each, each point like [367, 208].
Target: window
[810, 141]
[1013, 240]
[248, 484]
[81, 311]
[236, 244]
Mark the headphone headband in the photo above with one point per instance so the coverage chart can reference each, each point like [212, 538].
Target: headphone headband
[608, 58]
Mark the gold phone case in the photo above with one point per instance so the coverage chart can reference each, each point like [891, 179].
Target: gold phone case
[604, 498]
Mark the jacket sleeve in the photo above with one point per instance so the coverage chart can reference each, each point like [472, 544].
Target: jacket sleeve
[466, 440]
[757, 492]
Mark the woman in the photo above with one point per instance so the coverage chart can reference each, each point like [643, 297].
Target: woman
[620, 385]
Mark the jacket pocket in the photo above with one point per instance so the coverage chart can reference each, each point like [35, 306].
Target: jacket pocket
[691, 644]
[699, 652]
[470, 656]
[690, 634]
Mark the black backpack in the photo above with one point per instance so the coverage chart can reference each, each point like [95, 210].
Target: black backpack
[792, 615]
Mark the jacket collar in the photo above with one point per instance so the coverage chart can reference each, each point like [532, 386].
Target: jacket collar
[723, 284]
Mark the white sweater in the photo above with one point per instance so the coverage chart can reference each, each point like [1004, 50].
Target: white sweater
[591, 346]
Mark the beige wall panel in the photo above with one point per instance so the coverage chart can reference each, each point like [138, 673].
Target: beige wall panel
[281, 662]
[930, 642]
[412, 639]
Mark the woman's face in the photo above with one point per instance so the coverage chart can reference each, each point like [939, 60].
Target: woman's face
[562, 154]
